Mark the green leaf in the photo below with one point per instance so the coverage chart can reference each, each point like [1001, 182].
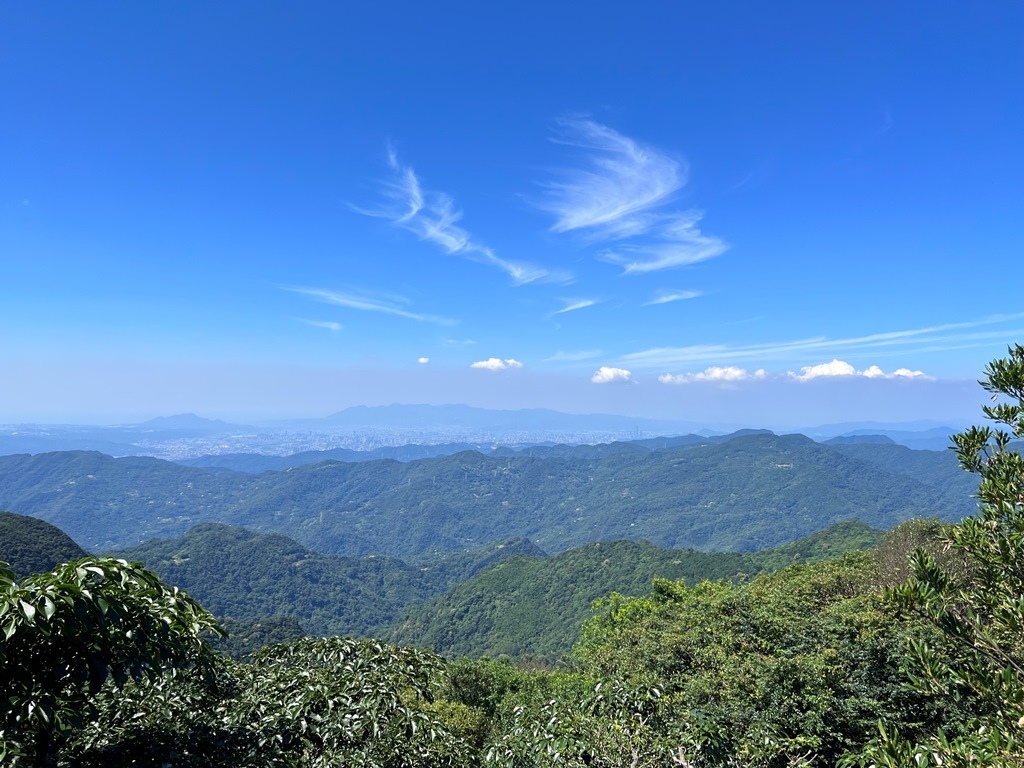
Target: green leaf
[28, 609]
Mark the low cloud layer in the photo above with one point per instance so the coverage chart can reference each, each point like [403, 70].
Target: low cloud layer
[839, 368]
[496, 364]
[731, 374]
[725, 374]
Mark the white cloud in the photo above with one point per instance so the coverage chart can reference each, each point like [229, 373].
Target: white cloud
[329, 325]
[571, 305]
[841, 368]
[432, 216]
[496, 364]
[608, 375]
[664, 297]
[726, 374]
[835, 368]
[389, 305]
[618, 196]
[423, 360]
[906, 373]
[730, 374]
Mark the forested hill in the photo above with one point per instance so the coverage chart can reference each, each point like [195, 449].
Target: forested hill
[533, 607]
[506, 598]
[244, 575]
[254, 462]
[748, 493]
[29, 545]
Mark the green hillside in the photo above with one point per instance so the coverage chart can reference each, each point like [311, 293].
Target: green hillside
[505, 598]
[29, 545]
[252, 577]
[533, 607]
[745, 494]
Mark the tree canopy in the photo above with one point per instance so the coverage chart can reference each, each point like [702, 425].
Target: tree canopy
[67, 632]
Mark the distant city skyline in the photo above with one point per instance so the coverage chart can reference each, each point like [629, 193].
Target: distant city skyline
[734, 214]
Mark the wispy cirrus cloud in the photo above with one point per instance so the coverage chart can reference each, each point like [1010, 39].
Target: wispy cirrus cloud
[573, 357]
[679, 244]
[329, 325]
[935, 338]
[620, 194]
[432, 216]
[624, 180]
[666, 297]
[571, 305]
[389, 305]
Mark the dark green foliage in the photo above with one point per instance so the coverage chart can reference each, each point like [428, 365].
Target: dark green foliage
[533, 607]
[245, 637]
[524, 606]
[833, 542]
[66, 633]
[741, 494]
[791, 668]
[309, 704]
[254, 462]
[974, 598]
[252, 577]
[29, 545]
[105, 503]
[938, 469]
[454, 567]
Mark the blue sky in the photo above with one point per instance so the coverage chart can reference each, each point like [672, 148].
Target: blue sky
[765, 214]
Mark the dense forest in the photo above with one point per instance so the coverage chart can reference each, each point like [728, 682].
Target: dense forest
[743, 494]
[908, 653]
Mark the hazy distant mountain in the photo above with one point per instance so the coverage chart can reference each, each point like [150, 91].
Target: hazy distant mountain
[482, 419]
[364, 433]
[66, 441]
[860, 439]
[121, 440]
[919, 435]
[253, 462]
[191, 424]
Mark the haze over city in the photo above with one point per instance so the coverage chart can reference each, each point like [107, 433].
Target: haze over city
[730, 213]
